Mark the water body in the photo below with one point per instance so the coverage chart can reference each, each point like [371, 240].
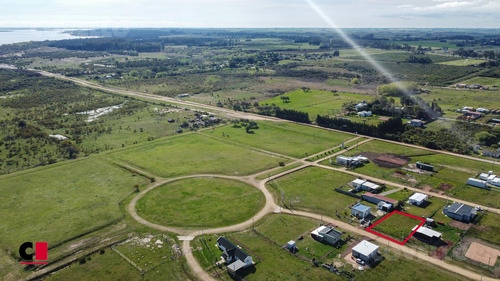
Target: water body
[9, 36]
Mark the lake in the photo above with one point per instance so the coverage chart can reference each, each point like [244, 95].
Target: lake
[24, 35]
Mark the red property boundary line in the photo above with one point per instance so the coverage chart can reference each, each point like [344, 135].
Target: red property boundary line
[369, 229]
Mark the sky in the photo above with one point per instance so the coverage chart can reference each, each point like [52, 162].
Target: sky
[250, 13]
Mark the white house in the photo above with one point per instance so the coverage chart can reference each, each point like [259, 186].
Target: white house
[427, 235]
[415, 123]
[360, 184]
[482, 110]
[477, 183]
[365, 251]
[350, 161]
[365, 113]
[418, 198]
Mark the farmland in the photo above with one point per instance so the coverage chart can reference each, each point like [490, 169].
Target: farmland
[78, 196]
[396, 226]
[283, 138]
[316, 102]
[201, 202]
[199, 154]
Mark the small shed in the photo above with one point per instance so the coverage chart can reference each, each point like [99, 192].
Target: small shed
[477, 183]
[425, 166]
[291, 245]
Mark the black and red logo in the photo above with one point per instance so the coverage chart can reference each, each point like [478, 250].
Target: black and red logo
[40, 252]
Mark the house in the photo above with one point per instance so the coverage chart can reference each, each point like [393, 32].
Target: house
[360, 105]
[482, 110]
[495, 120]
[425, 166]
[490, 153]
[365, 251]
[365, 113]
[183, 95]
[383, 203]
[427, 235]
[468, 108]
[416, 123]
[461, 85]
[291, 245]
[326, 235]
[460, 212]
[418, 198]
[471, 115]
[360, 211]
[58, 137]
[233, 256]
[360, 184]
[477, 183]
[490, 178]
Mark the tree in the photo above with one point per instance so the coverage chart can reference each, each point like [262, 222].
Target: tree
[486, 138]
[354, 81]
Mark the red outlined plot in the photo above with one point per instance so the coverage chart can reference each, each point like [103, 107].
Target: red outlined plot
[369, 229]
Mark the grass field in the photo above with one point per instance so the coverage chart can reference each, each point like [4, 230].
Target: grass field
[200, 202]
[316, 102]
[488, 228]
[312, 189]
[284, 138]
[462, 62]
[435, 205]
[156, 262]
[108, 266]
[452, 99]
[59, 202]
[397, 226]
[196, 154]
[400, 195]
[277, 171]
[485, 81]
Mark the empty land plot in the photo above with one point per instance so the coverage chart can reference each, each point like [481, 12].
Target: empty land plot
[396, 226]
[482, 253]
[201, 202]
[477, 195]
[284, 138]
[313, 189]
[196, 154]
[283, 228]
[316, 102]
[488, 228]
[56, 203]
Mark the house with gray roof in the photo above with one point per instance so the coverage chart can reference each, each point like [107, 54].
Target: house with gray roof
[234, 257]
[460, 212]
[327, 235]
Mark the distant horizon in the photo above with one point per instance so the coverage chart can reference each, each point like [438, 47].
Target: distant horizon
[251, 14]
[201, 27]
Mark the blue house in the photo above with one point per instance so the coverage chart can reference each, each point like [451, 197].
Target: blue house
[360, 211]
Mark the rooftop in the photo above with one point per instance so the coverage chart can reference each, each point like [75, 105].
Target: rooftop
[365, 248]
[461, 209]
[418, 197]
[361, 207]
[427, 231]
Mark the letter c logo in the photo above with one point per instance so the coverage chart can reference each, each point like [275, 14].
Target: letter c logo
[23, 248]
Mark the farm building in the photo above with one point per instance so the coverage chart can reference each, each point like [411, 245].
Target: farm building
[360, 211]
[424, 166]
[477, 183]
[418, 198]
[365, 251]
[365, 113]
[351, 161]
[416, 123]
[460, 212]
[383, 203]
[326, 235]
[233, 256]
[471, 115]
[427, 235]
[360, 184]
[490, 178]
